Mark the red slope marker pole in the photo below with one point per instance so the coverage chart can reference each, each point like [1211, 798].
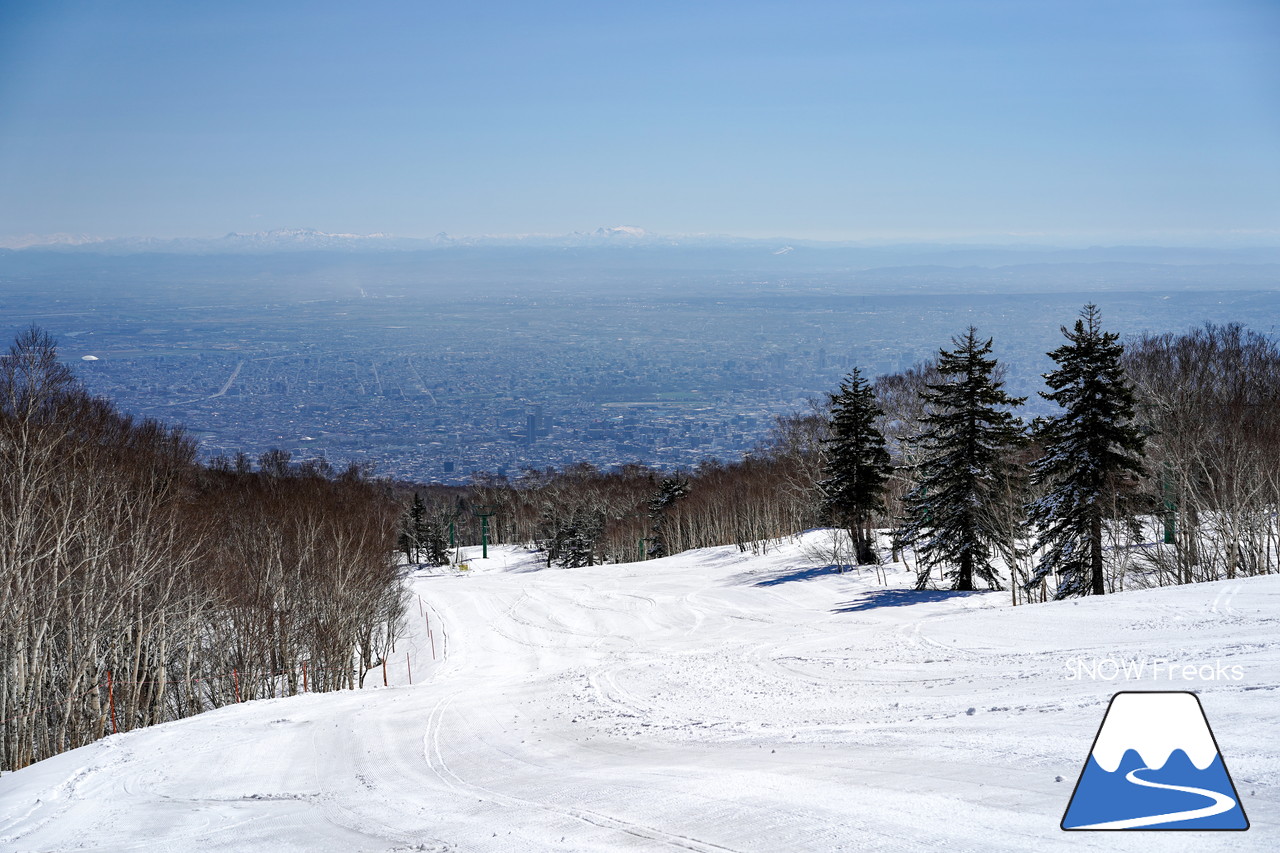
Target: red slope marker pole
[409, 664]
[304, 676]
[384, 671]
[433, 643]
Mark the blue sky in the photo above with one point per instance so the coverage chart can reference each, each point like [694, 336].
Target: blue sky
[999, 120]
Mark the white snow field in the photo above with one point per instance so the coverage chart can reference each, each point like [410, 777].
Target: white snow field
[710, 701]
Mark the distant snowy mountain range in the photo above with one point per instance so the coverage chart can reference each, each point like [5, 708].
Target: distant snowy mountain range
[906, 261]
[286, 239]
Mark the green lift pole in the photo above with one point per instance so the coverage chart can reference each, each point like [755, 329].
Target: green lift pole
[1170, 510]
[484, 512]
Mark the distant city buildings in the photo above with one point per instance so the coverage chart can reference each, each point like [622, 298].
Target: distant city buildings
[438, 390]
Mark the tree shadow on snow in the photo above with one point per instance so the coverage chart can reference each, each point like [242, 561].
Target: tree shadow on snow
[900, 598]
[790, 575]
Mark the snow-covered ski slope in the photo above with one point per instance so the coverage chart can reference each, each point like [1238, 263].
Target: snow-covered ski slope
[710, 701]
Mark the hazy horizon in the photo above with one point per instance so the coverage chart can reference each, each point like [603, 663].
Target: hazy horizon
[632, 235]
[623, 231]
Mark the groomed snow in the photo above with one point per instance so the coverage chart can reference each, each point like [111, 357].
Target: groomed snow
[709, 701]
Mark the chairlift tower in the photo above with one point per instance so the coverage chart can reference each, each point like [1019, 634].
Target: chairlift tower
[484, 513]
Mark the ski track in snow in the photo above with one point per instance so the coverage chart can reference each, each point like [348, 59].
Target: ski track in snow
[710, 701]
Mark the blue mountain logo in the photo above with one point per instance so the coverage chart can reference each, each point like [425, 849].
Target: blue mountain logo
[1155, 765]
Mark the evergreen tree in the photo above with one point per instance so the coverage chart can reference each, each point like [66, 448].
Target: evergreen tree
[575, 540]
[1089, 450]
[424, 533]
[857, 464]
[433, 540]
[412, 529]
[950, 514]
[670, 490]
[417, 525]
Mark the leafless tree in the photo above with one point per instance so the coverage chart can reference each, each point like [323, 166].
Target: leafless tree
[1211, 400]
[137, 586]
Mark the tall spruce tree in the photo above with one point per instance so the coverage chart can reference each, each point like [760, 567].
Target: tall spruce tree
[950, 514]
[412, 529]
[857, 464]
[575, 539]
[671, 491]
[433, 539]
[1089, 450]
